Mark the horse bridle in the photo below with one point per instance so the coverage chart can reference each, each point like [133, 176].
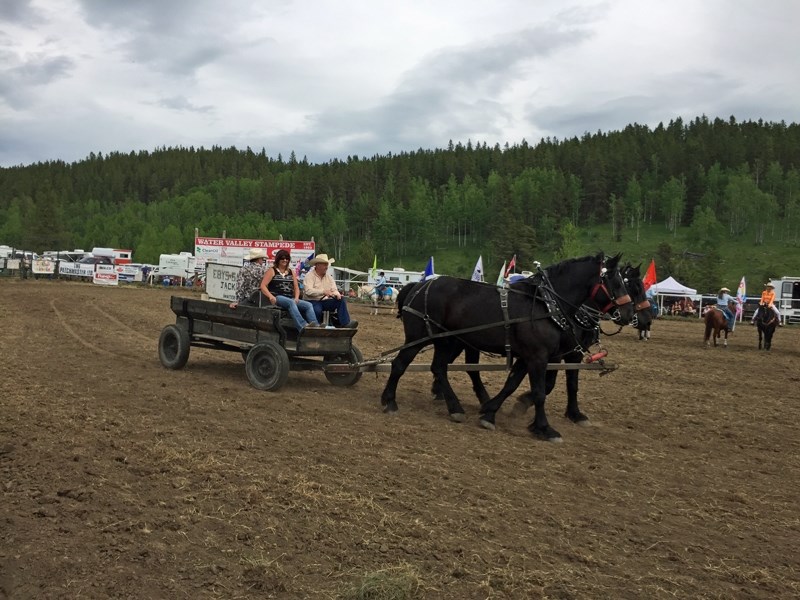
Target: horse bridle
[613, 301]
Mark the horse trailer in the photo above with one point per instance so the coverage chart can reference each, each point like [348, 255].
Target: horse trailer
[787, 298]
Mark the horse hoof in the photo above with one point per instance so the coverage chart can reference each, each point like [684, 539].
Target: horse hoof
[487, 425]
[584, 423]
[458, 417]
[555, 440]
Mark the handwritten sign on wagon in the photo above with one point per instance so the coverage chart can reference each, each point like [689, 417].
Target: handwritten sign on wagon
[221, 281]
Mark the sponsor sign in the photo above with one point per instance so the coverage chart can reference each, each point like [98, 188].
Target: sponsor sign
[232, 251]
[12, 264]
[43, 266]
[75, 269]
[128, 273]
[105, 275]
[221, 281]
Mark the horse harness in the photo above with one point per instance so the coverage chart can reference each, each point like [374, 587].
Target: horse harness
[585, 318]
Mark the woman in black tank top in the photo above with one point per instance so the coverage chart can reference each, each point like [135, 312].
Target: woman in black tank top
[280, 288]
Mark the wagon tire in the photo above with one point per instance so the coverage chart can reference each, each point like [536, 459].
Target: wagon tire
[173, 347]
[346, 379]
[267, 366]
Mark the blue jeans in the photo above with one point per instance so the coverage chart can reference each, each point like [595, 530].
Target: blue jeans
[294, 309]
[340, 306]
[728, 316]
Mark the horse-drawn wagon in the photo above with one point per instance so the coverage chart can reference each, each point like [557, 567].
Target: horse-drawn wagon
[266, 338]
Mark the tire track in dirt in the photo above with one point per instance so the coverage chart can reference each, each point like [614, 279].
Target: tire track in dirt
[122, 324]
[63, 321]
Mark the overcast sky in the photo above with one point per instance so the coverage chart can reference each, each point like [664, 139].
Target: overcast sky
[329, 79]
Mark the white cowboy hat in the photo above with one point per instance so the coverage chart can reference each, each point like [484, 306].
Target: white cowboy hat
[255, 253]
[769, 284]
[724, 289]
[320, 259]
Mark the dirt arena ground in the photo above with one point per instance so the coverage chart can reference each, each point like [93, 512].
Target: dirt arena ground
[121, 479]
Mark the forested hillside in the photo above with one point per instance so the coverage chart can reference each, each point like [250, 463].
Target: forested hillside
[712, 184]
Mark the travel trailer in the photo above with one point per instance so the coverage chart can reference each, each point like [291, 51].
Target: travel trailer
[787, 298]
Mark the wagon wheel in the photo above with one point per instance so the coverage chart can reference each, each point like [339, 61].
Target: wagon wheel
[345, 379]
[267, 366]
[173, 347]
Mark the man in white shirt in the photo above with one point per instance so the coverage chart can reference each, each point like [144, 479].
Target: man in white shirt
[320, 289]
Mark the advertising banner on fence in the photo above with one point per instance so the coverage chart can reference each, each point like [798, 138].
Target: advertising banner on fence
[75, 269]
[231, 251]
[43, 266]
[128, 272]
[221, 281]
[105, 275]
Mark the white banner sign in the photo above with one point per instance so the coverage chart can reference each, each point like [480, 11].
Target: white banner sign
[105, 275]
[221, 281]
[43, 266]
[128, 273]
[75, 269]
[232, 251]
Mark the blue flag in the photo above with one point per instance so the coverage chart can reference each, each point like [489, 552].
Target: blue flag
[428, 270]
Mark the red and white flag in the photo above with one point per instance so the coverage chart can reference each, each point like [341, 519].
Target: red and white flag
[511, 265]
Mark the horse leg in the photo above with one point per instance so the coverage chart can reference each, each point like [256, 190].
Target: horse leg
[444, 353]
[537, 375]
[539, 427]
[399, 366]
[472, 357]
[725, 339]
[573, 412]
[707, 334]
[760, 334]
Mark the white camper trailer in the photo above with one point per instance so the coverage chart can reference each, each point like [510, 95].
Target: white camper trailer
[787, 298]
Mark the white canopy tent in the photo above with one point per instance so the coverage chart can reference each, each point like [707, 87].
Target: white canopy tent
[672, 287]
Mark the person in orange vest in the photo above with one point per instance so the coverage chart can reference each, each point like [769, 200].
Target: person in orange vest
[768, 298]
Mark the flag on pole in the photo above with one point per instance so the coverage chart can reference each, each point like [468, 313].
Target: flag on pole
[375, 267]
[501, 279]
[741, 298]
[511, 265]
[650, 277]
[477, 272]
[428, 270]
[300, 263]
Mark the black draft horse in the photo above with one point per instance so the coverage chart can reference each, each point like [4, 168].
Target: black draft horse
[584, 334]
[587, 337]
[526, 320]
[766, 322]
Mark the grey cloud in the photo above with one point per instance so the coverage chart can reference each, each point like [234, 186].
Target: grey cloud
[17, 83]
[20, 12]
[447, 96]
[662, 98]
[181, 103]
[175, 37]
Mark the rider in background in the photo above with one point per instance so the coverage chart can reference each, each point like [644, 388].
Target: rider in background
[768, 298]
[380, 285]
[723, 299]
